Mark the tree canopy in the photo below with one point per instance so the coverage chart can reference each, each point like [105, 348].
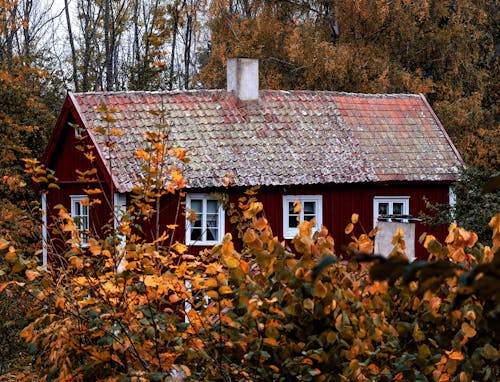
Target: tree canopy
[443, 49]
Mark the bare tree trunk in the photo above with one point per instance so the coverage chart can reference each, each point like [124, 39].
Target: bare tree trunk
[108, 52]
[10, 32]
[136, 52]
[74, 75]
[28, 8]
[175, 30]
[187, 48]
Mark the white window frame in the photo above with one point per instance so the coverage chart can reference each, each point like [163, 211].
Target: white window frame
[189, 224]
[120, 209]
[83, 227]
[291, 232]
[45, 231]
[390, 200]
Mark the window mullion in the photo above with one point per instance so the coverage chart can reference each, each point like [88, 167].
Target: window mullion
[204, 220]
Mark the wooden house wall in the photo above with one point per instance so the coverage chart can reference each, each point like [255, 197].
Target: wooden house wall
[339, 201]
[65, 161]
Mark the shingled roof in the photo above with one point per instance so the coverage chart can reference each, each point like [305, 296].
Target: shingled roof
[284, 138]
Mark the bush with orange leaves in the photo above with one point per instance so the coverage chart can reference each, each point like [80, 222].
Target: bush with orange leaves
[269, 312]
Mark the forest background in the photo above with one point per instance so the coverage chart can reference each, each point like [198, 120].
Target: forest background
[446, 49]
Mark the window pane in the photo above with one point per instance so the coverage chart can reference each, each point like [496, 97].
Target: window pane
[212, 206]
[84, 222]
[383, 208]
[195, 234]
[212, 220]
[310, 208]
[290, 208]
[293, 221]
[397, 208]
[309, 217]
[212, 234]
[76, 208]
[197, 205]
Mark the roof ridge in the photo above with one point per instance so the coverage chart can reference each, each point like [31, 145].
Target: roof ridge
[145, 92]
[264, 91]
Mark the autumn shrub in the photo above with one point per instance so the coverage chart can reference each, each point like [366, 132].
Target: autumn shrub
[299, 314]
[269, 312]
[126, 308]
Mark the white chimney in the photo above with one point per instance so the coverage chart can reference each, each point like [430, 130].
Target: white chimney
[243, 78]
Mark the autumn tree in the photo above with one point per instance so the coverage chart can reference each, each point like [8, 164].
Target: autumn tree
[443, 49]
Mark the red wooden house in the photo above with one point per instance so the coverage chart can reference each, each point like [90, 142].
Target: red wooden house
[337, 153]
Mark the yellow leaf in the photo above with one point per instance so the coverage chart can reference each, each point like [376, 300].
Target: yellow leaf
[261, 223]
[211, 269]
[252, 210]
[349, 228]
[224, 289]
[230, 257]
[297, 207]
[180, 248]
[212, 294]
[418, 335]
[252, 239]
[354, 218]
[365, 244]
[92, 191]
[82, 281]
[210, 283]
[373, 232]
[173, 298]
[151, 281]
[397, 237]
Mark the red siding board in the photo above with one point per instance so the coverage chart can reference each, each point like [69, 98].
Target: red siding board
[339, 203]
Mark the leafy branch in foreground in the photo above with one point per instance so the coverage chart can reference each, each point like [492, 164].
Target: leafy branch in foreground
[272, 311]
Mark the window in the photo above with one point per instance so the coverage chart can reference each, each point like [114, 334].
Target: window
[311, 206]
[208, 228]
[390, 205]
[80, 215]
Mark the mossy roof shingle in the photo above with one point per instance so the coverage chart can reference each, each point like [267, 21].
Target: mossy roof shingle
[284, 138]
